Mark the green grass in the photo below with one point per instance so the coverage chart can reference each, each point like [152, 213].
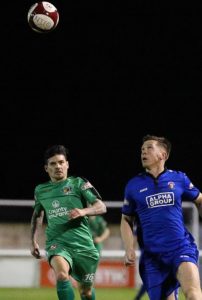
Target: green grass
[50, 293]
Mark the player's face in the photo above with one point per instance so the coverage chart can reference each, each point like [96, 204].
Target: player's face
[57, 167]
[152, 154]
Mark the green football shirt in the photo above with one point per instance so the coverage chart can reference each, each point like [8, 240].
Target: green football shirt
[57, 199]
[97, 227]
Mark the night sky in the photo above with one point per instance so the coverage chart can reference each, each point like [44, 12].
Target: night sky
[109, 74]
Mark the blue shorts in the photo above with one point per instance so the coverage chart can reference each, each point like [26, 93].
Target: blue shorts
[158, 271]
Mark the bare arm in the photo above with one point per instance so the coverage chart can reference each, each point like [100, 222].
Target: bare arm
[36, 222]
[97, 208]
[128, 239]
[198, 203]
[102, 237]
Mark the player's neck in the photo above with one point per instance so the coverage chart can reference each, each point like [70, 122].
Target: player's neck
[155, 170]
[55, 180]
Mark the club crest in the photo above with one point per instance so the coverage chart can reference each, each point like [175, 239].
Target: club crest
[171, 184]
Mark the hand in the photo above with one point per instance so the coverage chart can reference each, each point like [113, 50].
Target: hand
[130, 258]
[97, 240]
[35, 251]
[76, 213]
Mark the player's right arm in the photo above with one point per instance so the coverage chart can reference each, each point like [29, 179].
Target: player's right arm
[128, 239]
[36, 221]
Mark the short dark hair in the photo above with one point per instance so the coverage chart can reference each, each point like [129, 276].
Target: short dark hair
[54, 150]
[164, 142]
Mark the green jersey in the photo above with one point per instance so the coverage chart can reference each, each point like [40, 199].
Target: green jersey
[97, 226]
[57, 199]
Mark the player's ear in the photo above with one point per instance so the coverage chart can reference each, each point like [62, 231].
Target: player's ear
[164, 155]
[46, 168]
[67, 165]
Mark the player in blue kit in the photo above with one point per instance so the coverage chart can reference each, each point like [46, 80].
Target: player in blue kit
[153, 200]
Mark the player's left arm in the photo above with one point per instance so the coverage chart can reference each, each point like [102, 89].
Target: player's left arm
[198, 203]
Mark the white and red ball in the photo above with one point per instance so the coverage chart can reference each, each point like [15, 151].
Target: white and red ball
[43, 17]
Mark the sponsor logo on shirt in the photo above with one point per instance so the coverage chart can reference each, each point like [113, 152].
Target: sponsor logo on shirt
[87, 185]
[57, 211]
[55, 203]
[160, 199]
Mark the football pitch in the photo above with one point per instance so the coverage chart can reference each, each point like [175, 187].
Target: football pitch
[50, 293]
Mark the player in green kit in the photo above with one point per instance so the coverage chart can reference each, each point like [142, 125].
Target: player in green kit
[100, 231]
[67, 202]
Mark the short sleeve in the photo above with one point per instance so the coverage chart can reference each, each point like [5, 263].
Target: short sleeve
[88, 191]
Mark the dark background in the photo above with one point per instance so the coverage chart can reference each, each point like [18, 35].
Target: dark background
[110, 73]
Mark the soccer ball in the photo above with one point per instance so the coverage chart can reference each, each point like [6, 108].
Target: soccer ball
[43, 17]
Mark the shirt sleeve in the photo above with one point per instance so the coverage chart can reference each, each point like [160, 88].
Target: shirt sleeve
[190, 191]
[128, 207]
[37, 205]
[88, 191]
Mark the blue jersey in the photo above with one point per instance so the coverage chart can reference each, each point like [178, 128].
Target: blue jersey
[157, 205]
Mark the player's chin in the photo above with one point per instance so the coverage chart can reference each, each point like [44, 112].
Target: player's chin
[145, 165]
[59, 176]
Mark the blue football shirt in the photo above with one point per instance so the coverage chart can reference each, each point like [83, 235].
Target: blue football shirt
[157, 205]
